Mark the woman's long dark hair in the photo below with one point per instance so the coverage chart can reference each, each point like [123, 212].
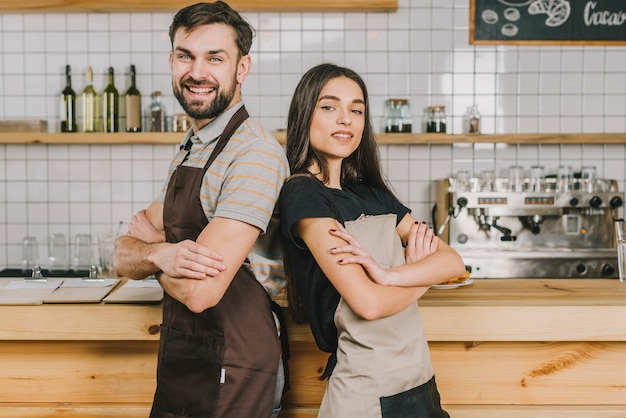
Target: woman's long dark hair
[362, 166]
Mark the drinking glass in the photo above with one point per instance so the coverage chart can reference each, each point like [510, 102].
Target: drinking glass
[564, 179]
[106, 242]
[536, 178]
[620, 238]
[487, 181]
[57, 253]
[462, 181]
[30, 253]
[588, 178]
[82, 252]
[516, 178]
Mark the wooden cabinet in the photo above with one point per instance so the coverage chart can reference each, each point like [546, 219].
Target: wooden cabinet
[151, 6]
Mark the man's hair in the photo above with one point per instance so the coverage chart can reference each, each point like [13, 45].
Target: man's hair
[200, 14]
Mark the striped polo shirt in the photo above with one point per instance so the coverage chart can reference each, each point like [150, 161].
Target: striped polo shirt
[243, 183]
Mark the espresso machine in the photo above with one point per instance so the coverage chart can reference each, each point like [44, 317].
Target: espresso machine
[535, 226]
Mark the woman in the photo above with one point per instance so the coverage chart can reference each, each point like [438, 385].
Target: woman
[363, 313]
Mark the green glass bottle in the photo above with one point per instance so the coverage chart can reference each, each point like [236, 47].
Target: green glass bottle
[110, 105]
[89, 105]
[68, 104]
[132, 99]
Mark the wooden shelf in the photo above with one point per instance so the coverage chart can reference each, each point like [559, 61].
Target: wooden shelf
[383, 139]
[433, 139]
[121, 138]
[88, 6]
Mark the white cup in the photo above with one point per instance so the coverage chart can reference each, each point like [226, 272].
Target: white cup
[620, 238]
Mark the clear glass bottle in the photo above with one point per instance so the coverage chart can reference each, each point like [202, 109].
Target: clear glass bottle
[436, 121]
[110, 105]
[156, 113]
[68, 104]
[471, 120]
[132, 100]
[89, 105]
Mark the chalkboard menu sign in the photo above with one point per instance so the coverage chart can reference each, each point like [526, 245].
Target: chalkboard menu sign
[557, 22]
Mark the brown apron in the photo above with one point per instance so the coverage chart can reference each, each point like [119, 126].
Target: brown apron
[222, 362]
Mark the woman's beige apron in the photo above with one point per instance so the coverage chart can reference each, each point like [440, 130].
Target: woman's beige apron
[375, 358]
[222, 362]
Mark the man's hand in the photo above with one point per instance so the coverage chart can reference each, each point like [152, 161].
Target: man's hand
[143, 251]
[187, 259]
[141, 228]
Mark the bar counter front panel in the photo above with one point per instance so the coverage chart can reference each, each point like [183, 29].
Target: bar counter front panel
[500, 347]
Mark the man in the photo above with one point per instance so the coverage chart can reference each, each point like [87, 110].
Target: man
[219, 352]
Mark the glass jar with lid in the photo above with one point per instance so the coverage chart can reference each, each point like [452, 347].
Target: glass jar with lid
[398, 116]
[471, 120]
[436, 119]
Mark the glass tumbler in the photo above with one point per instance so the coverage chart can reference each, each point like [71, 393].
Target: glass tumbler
[536, 179]
[30, 253]
[57, 253]
[620, 238]
[564, 179]
[82, 252]
[588, 178]
[462, 181]
[516, 178]
[487, 181]
[106, 248]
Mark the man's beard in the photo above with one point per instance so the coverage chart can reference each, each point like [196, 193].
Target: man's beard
[198, 109]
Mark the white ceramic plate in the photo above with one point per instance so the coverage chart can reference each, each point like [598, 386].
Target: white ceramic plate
[453, 285]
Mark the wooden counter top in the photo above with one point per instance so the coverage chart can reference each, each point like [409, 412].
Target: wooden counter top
[486, 310]
[527, 310]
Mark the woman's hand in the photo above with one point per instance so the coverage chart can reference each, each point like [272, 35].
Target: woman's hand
[421, 242]
[356, 254]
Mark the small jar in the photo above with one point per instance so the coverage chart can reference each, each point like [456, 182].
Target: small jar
[436, 120]
[471, 120]
[393, 118]
[180, 122]
[397, 116]
[405, 115]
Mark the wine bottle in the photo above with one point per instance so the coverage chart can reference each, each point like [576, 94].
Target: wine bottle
[133, 105]
[110, 105]
[68, 104]
[89, 105]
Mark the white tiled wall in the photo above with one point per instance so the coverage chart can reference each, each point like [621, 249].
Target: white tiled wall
[420, 52]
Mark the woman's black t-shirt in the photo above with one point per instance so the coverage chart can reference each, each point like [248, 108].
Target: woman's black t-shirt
[306, 197]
